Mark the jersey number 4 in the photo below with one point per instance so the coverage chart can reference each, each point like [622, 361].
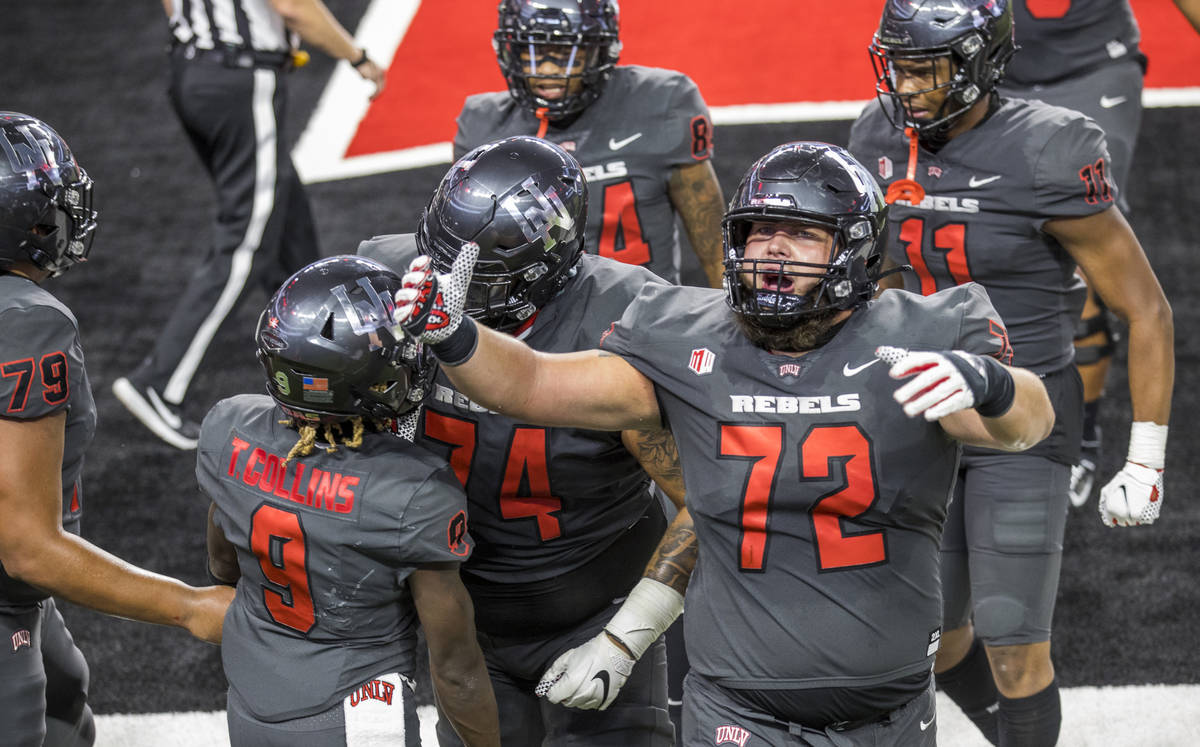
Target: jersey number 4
[621, 234]
[822, 447]
[277, 540]
[526, 459]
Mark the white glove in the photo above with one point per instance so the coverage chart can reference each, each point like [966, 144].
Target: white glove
[429, 306]
[947, 381]
[589, 676]
[1133, 497]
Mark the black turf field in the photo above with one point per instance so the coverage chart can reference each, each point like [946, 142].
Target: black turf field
[95, 70]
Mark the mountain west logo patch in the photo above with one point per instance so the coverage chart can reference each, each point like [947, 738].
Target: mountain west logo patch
[702, 361]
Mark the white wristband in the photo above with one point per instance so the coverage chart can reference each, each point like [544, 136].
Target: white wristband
[1148, 444]
[648, 611]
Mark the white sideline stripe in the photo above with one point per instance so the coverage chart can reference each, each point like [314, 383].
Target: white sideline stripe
[1158, 715]
[344, 102]
[266, 135]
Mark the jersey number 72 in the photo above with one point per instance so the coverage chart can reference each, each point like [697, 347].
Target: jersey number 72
[821, 448]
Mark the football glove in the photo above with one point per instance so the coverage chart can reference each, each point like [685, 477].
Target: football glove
[429, 306]
[947, 381]
[1134, 496]
[591, 675]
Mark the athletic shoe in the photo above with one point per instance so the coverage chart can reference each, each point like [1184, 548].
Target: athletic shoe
[163, 419]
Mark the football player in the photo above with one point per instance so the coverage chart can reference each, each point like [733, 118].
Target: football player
[341, 537]
[817, 477]
[1084, 56]
[1012, 194]
[563, 516]
[47, 421]
[642, 134]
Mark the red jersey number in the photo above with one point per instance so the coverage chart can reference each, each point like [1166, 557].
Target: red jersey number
[1048, 8]
[821, 448]
[277, 540]
[527, 464]
[947, 249]
[621, 222]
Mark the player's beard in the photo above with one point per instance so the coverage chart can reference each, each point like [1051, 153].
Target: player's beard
[812, 331]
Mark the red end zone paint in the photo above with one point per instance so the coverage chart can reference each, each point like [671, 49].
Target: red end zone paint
[764, 52]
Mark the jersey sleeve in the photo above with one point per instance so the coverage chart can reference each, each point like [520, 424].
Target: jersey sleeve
[395, 251]
[434, 525]
[41, 360]
[689, 127]
[981, 330]
[471, 131]
[1072, 175]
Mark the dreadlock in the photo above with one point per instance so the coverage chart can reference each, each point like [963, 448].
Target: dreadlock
[332, 431]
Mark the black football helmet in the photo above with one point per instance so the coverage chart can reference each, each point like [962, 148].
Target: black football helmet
[569, 32]
[524, 201]
[326, 345]
[977, 36]
[813, 183]
[46, 214]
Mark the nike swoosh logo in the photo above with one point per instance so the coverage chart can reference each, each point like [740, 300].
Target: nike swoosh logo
[619, 144]
[926, 724]
[603, 677]
[1109, 102]
[848, 371]
[977, 182]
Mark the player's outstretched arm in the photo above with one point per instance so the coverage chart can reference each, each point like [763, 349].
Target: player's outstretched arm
[36, 549]
[590, 676]
[975, 398]
[696, 196]
[456, 662]
[590, 389]
[1116, 266]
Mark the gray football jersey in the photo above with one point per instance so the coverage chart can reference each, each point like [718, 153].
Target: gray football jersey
[325, 544]
[988, 193]
[818, 504]
[646, 122]
[41, 373]
[1054, 44]
[543, 501]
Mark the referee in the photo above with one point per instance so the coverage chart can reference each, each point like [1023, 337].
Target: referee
[229, 62]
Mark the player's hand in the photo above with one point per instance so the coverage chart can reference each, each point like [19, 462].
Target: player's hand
[947, 381]
[206, 615]
[589, 676]
[429, 306]
[1133, 497]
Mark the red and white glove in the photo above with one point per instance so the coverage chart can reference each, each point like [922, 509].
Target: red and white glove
[1135, 495]
[429, 306]
[947, 381]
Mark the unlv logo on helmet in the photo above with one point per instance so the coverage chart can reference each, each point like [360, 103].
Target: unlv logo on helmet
[37, 152]
[537, 223]
[367, 317]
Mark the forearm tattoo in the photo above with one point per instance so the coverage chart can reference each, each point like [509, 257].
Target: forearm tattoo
[675, 557]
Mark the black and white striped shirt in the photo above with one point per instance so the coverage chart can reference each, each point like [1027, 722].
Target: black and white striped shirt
[247, 24]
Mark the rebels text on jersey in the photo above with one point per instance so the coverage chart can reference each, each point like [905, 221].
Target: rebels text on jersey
[41, 373]
[818, 503]
[646, 122]
[984, 209]
[324, 543]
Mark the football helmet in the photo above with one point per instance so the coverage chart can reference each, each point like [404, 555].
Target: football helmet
[813, 183]
[977, 37]
[46, 214]
[326, 345]
[524, 201]
[580, 36]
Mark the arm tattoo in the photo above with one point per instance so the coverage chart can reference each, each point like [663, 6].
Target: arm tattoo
[675, 556]
[696, 196]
